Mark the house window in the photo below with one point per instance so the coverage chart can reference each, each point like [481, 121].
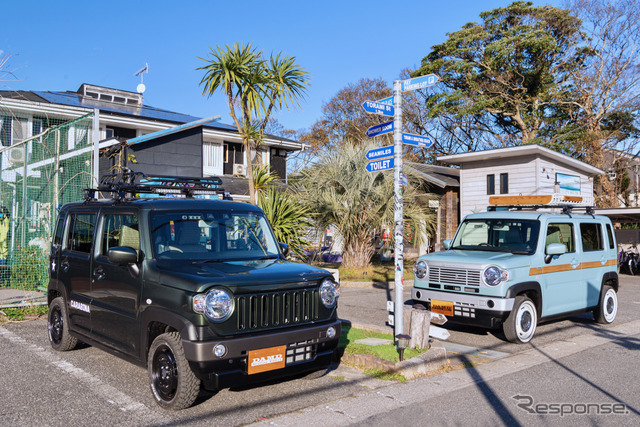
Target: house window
[504, 183]
[491, 184]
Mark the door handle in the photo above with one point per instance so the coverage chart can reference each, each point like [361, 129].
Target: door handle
[64, 265]
[98, 273]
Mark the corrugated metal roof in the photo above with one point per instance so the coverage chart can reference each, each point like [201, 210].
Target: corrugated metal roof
[438, 175]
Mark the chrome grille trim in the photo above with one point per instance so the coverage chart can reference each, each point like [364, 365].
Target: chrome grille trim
[454, 276]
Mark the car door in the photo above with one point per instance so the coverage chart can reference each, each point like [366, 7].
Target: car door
[561, 278]
[115, 289]
[594, 261]
[74, 268]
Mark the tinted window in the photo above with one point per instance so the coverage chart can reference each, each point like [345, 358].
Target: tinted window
[612, 242]
[561, 233]
[81, 232]
[498, 235]
[57, 238]
[591, 237]
[120, 230]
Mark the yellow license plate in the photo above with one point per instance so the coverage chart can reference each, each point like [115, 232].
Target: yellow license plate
[266, 359]
[442, 307]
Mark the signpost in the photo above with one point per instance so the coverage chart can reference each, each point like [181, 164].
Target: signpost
[374, 107]
[380, 165]
[380, 129]
[377, 153]
[419, 82]
[392, 106]
[417, 140]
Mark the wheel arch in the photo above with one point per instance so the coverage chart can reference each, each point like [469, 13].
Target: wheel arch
[156, 321]
[531, 289]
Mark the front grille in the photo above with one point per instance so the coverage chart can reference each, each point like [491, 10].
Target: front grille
[275, 309]
[301, 351]
[454, 276]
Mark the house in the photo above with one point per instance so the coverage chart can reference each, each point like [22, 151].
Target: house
[528, 170]
[55, 144]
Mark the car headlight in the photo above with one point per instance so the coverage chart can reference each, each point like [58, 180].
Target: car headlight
[420, 269]
[329, 293]
[493, 275]
[217, 304]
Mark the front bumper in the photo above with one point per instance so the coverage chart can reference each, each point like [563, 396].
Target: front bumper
[307, 348]
[474, 310]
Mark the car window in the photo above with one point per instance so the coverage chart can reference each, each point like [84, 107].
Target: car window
[611, 240]
[591, 237]
[561, 233]
[81, 232]
[120, 230]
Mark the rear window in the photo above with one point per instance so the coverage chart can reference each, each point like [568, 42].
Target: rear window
[591, 237]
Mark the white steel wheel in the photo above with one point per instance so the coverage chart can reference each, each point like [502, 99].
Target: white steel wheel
[521, 324]
[608, 306]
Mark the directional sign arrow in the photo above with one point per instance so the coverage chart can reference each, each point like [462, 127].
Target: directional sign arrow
[380, 165]
[417, 140]
[374, 107]
[377, 153]
[419, 82]
[380, 129]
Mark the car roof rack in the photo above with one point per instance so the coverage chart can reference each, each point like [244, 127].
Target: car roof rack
[550, 201]
[128, 185]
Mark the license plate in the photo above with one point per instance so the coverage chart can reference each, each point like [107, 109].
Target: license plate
[266, 359]
[442, 307]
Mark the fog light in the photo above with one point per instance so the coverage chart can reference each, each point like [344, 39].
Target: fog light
[220, 350]
[331, 333]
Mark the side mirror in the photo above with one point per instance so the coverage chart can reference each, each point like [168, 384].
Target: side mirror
[446, 244]
[554, 249]
[284, 248]
[122, 255]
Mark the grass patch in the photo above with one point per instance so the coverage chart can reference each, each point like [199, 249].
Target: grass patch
[23, 313]
[378, 271]
[385, 375]
[386, 352]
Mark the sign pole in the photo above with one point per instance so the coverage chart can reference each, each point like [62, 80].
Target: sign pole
[397, 208]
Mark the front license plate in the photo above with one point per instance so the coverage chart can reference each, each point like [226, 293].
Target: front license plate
[266, 359]
[442, 307]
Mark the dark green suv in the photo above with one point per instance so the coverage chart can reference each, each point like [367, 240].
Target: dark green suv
[197, 290]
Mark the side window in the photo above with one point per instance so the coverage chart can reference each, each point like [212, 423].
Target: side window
[57, 237]
[120, 230]
[81, 232]
[561, 233]
[591, 237]
[612, 242]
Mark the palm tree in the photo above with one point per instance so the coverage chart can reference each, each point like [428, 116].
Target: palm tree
[338, 190]
[287, 217]
[258, 86]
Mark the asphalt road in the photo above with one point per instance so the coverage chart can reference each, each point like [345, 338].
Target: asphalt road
[87, 386]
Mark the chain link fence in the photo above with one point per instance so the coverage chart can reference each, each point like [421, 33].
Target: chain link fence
[45, 162]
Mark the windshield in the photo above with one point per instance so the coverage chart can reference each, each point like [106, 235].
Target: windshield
[499, 235]
[212, 236]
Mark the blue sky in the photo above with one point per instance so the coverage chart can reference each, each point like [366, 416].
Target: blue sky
[60, 45]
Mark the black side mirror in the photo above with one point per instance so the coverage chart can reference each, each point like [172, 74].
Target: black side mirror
[122, 255]
[284, 248]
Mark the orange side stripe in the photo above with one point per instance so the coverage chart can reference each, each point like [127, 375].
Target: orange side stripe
[567, 267]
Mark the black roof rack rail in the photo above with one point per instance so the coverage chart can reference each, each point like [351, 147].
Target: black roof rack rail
[121, 185]
[566, 208]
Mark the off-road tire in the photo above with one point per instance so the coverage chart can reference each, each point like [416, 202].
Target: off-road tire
[58, 326]
[173, 384]
[521, 324]
[607, 308]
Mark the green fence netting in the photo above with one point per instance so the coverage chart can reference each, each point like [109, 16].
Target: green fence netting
[45, 163]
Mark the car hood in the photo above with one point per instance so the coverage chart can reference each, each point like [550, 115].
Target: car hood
[479, 258]
[262, 274]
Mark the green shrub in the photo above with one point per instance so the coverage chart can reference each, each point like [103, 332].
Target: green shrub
[29, 269]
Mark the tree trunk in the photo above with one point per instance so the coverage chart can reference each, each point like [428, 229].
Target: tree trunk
[357, 252]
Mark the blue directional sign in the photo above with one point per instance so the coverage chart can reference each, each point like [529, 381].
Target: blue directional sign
[417, 140]
[388, 100]
[374, 107]
[380, 165]
[380, 129]
[419, 82]
[377, 153]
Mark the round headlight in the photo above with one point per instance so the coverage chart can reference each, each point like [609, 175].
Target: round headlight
[420, 269]
[494, 275]
[329, 293]
[218, 305]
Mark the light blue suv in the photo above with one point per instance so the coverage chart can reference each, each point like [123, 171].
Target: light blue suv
[513, 269]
